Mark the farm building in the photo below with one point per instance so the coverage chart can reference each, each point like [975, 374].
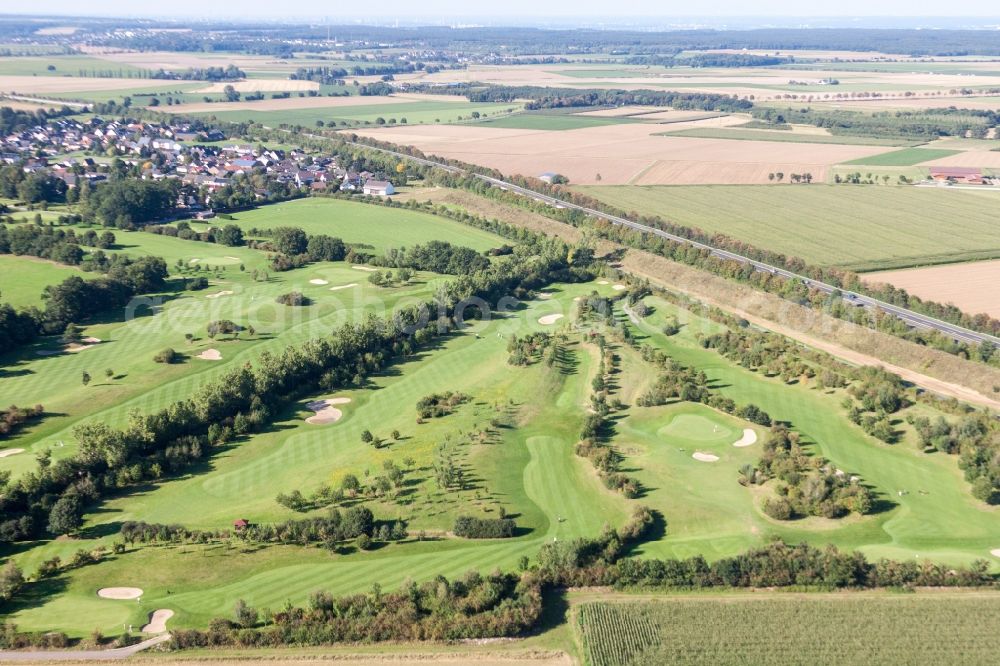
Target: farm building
[381, 188]
[971, 175]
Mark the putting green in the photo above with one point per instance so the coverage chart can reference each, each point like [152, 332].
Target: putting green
[700, 428]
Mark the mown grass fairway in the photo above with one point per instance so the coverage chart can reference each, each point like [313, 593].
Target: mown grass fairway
[379, 227]
[763, 628]
[531, 470]
[24, 278]
[858, 227]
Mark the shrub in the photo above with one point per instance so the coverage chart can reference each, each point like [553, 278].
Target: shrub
[484, 528]
[293, 298]
[168, 356]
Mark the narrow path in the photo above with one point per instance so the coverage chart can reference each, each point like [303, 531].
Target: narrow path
[83, 655]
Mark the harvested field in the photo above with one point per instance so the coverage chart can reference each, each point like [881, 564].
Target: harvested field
[260, 85]
[625, 153]
[970, 286]
[988, 159]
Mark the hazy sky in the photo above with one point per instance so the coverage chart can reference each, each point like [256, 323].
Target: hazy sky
[383, 11]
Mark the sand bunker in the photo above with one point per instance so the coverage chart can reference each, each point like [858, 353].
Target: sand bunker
[86, 343]
[233, 258]
[194, 261]
[364, 268]
[749, 437]
[221, 293]
[344, 286]
[545, 295]
[548, 320]
[704, 457]
[325, 411]
[995, 552]
[119, 593]
[318, 281]
[618, 287]
[6, 453]
[210, 355]
[603, 282]
[158, 621]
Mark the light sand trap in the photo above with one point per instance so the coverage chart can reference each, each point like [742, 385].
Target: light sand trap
[995, 552]
[603, 282]
[545, 295]
[210, 355]
[364, 268]
[344, 286]
[233, 258]
[318, 281]
[221, 293]
[618, 287]
[578, 299]
[158, 621]
[6, 453]
[548, 320]
[194, 261]
[87, 343]
[119, 593]
[704, 457]
[749, 437]
[325, 411]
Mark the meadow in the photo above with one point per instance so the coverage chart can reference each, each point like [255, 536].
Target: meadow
[857, 227]
[763, 628]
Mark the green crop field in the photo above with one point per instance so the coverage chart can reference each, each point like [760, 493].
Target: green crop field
[906, 157]
[548, 121]
[858, 227]
[413, 112]
[786, 137]
[65, 66]
[927, 627]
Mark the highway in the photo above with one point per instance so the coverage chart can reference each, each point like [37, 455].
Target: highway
[911, 318]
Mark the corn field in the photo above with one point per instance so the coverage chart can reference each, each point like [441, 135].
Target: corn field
[922, 628]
